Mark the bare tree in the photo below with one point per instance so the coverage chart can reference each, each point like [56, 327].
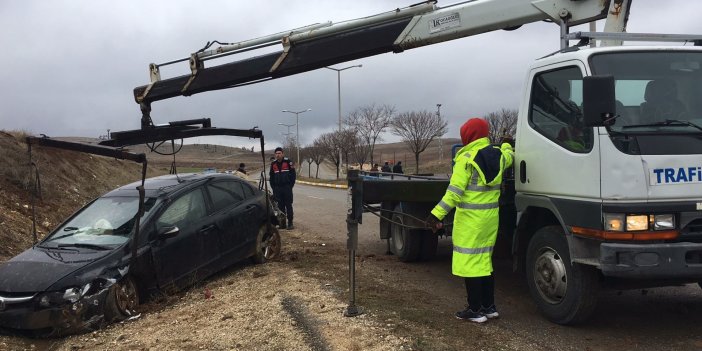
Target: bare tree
[369, 122]
[346, 141]
[418, 129]
[502, 123]
[360, 151]
[316, 154]
[329, 148]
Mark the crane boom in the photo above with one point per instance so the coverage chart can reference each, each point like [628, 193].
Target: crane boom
[325, 44]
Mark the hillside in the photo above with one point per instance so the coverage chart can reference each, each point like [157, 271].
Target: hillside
[68, 180]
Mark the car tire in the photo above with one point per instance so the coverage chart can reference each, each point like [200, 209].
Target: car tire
[404, 243]
[267, 245]
[122, 300]
[564, 292]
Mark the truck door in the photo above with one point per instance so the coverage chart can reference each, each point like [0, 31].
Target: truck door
[557, 156]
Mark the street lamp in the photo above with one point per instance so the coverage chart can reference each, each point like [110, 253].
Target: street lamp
[338, 85]
[297, 129]
[441, 143]
[286, 125]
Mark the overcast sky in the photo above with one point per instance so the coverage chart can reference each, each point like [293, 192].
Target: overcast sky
[68, 67]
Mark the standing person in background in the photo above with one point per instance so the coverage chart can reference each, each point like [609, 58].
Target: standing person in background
[386, 168]
[242, 168]
[397, 168]
[374, 171]
[474, 190]
[282, 176]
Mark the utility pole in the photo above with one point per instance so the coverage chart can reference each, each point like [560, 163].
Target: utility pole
[338, 87]
[441, 142]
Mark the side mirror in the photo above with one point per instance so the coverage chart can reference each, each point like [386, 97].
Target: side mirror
[168, 232]
[599, 103]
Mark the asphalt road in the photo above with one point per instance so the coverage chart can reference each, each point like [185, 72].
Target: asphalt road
[653, 319]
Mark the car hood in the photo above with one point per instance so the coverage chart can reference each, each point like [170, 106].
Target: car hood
[37, 269]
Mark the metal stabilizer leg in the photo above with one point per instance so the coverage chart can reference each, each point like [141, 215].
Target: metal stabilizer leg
[352, 242]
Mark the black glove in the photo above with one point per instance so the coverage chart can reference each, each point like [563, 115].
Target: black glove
[433, 223]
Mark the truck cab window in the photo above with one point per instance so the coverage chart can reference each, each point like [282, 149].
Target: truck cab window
[555, 110]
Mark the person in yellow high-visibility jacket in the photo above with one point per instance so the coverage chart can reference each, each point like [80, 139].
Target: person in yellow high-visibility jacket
[474, 191]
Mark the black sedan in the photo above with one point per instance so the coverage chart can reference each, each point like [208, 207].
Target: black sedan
[82, 275]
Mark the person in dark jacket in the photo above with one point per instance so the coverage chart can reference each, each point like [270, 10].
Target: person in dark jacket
[386, 168]
[282, 176]
[242, 168]
[397, 168]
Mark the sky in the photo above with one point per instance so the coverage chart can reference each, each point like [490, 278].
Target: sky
[68, 68]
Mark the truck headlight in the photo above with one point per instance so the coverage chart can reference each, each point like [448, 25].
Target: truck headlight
[663, 222]
[636, 222]
[614, 222]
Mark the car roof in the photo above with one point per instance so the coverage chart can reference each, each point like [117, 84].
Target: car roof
[167, 184]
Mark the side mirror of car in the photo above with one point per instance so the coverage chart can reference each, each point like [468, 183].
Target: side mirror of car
[168, 232]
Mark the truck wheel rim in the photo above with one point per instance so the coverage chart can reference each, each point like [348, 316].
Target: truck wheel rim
[550, 276]
[126, 297]
[397, 237]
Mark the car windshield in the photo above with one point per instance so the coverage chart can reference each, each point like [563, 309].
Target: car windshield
[656, 92]
[105, 223]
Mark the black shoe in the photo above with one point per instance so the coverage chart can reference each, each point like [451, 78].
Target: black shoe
[290, 226]
[468, 314]
[489, 312]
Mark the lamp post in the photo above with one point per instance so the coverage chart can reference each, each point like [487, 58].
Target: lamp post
[441, 143]
[297, 129]
[338, 86]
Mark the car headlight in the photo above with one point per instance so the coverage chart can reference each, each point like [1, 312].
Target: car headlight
[71, 295]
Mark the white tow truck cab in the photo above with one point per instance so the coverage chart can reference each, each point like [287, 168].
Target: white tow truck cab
[608, 173]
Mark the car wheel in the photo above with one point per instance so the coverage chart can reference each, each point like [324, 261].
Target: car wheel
[267, 245]
[404, 243]
[122, 300]
[565, 292]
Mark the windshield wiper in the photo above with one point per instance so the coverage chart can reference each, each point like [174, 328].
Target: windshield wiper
[86, 246]
[667, 122]
[54, 248]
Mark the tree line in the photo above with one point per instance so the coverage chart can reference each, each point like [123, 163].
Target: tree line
[363, 129]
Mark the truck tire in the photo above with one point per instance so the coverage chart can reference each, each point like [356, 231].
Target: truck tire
[404, 243]
[565, 293]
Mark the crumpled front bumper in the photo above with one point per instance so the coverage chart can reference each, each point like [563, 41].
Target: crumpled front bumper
[85, 314]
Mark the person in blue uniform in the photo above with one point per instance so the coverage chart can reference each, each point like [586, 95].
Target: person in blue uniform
[282, 176]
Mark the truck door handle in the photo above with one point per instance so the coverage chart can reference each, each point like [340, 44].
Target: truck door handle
[522, 172]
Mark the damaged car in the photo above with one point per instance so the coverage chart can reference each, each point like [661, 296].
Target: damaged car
[84, 273]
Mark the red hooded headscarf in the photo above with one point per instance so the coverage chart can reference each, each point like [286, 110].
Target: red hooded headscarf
[474, 129]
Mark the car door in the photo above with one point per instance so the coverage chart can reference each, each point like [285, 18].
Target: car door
[178, 258]
[232, 217]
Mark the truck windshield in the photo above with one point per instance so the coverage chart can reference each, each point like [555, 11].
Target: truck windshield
[656, 91]
[106, 222]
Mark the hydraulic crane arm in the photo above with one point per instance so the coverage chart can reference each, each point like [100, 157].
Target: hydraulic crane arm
[325, 44]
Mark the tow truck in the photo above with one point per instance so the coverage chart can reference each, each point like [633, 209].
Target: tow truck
[607, 185]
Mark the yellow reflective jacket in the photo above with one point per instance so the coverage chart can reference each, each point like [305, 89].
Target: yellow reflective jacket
[474, 190]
